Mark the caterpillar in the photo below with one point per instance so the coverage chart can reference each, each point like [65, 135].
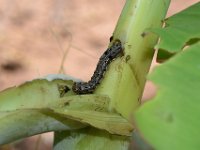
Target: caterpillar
[109, 55]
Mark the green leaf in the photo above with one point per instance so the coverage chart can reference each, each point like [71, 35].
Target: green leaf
[180, 29]
[163, 55]
[33, 94]
[90, 139]
[23, 110]
[39, 106]
[23, 123]
[171, 119]
[93, 110]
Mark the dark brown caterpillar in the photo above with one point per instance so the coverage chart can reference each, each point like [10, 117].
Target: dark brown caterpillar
[111, 53]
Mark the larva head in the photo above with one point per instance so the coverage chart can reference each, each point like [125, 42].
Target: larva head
[116, 49]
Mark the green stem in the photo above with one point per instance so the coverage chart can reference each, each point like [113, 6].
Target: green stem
[125, 79]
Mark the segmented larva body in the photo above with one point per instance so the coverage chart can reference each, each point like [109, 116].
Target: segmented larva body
[110, 54]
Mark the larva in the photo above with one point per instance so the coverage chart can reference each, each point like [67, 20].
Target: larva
[110, 54]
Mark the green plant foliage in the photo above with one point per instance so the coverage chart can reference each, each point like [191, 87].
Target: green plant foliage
[42, 106]
[33, 94]
[23, 123]
[93, 110]
[124, 80]
[23, 110]
[90, 139]
[171, 119]
[180, 30]
[163, 55]
[128, 73]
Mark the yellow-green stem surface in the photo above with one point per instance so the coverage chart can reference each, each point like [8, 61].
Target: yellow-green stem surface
[125, 79]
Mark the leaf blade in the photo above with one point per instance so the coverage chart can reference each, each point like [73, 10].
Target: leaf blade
[173, 115]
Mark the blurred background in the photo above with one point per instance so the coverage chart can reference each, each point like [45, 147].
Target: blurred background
[36, 35]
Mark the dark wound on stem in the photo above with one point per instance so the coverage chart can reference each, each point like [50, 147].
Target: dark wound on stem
[109, 55]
